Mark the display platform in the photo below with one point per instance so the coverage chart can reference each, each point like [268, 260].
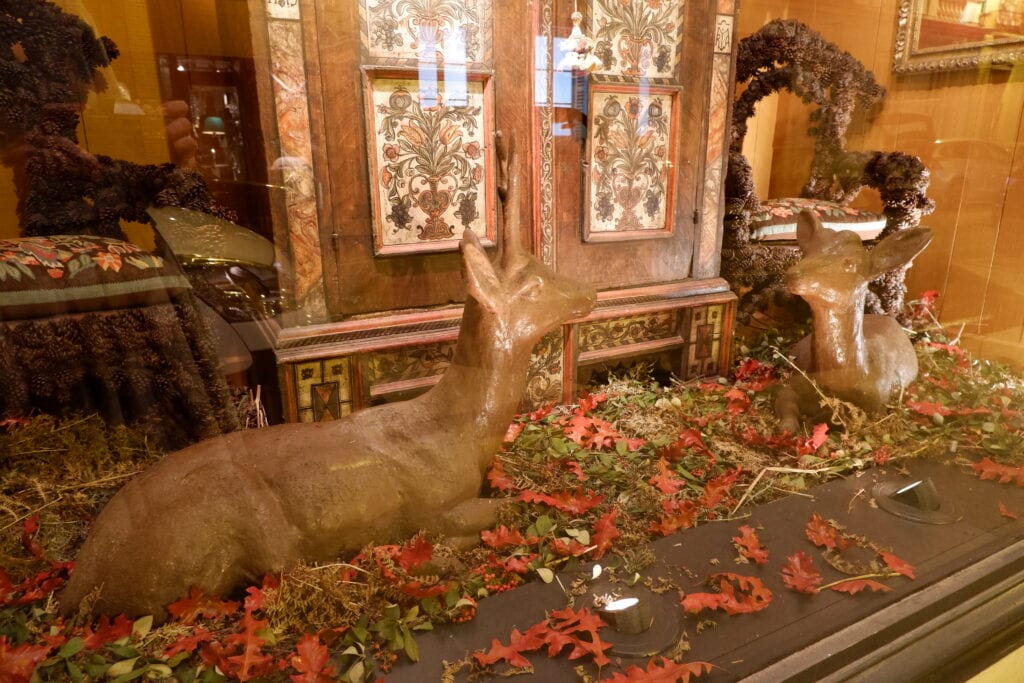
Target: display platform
[948, 622]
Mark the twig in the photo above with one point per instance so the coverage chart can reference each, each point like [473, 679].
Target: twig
[32, 512]
[97, 482]
[780, 470]
[883, 575]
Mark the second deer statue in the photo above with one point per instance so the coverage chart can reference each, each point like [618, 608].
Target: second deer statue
[866, 360]
[233, 508]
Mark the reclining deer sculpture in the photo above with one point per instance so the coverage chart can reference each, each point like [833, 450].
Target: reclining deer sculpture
[866, 360]
[233, 508]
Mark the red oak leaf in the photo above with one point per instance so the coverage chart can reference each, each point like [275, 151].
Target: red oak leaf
[679, 514]
[717, 489]
[420, 589]
[251, 662]
[1004, 474]
[854, 586]
[414, 552]
[739, 402]
[106, 632]
[569, 548]
[497, 478]
[312, 661]
[897, 565]
[737, 595]
[513, 431]
[590, 401]
[519, 564]
[575, 468]
[749, 545]
[666, 480]
[540, 413]
[929, 408]
[18, 663]
[189, 643]
[574, 503]
[811, 444]
[824, 534]
[689, 439]
[571, 622]
[665, 672]
[28, 540]
[198, 604]
[1006, 512]
[755, 374]
[502, 537]
[800, 574]
[604, 533]
[511, 653]
[255, 599]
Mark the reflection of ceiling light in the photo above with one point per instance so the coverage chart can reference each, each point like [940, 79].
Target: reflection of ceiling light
[579, 49]
[621, 604]
[181, 67]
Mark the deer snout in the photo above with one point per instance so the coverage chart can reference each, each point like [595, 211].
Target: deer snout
[585, 299]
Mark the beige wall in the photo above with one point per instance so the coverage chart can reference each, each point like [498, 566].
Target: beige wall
[976, 258]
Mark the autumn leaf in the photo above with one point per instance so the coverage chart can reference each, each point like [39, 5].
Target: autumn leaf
[689, 439]
[189, 643]
[589, 401]
[106, 632]
[604, 533]
[590, 432]
[800, 574]
[749, 545]
[414, 552]
[666, 671]
[824, 534]
[1004, 474]
[1006, 512]
[251, 662]
[497, 478]
[574, 503]
[198, 604]
[511, 653]
[666, 480]
[312, 661]
[854, 586]
[897, 565]
[737, 595]
[679, 514]
[570, 622]
[756, 375]
[717, 489]
[513, 431]
[502, 537]
[28, 539]
[739, 402]
[811, 444]
[929, 408]
[18, 663]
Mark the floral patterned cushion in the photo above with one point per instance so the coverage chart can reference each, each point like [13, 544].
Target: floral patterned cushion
[41, 276]
[777, 219]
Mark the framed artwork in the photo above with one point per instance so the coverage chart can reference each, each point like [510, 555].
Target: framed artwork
[407, 32]
[637, 38]
[942, 36]
[431, 160]
[631, 143]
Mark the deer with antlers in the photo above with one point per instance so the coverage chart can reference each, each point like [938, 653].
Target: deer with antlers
[866, 360]
[231, 509]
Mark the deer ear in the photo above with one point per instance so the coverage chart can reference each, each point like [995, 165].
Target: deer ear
[898, 249]
[808, 231]
[481, 279]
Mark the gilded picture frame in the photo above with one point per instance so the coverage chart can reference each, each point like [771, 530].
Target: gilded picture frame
[631, 148]
[431, 158]
[932, 36]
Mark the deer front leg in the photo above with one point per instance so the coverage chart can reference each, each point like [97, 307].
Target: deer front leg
[787, 409]
[464, 522]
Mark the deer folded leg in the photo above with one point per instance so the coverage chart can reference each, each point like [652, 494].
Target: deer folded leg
[464, 522]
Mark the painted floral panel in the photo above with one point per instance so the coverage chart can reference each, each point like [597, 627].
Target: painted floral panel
[637, 38]
[449, 31]
[631, 149]
[430, 162]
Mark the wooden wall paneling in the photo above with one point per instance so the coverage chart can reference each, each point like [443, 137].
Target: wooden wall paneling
[643, 261]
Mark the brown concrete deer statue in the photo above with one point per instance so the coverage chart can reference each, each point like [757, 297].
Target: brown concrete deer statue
[866, 360]
[233, 508]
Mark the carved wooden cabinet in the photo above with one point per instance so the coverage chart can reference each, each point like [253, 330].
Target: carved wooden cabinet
[401, 102]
